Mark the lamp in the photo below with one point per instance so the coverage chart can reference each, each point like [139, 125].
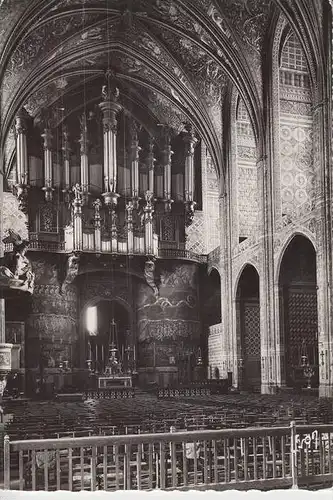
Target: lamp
[64, 366]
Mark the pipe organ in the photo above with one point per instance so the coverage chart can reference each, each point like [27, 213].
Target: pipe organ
[138, 206]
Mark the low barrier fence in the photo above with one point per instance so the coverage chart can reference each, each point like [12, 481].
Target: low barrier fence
[245, 458]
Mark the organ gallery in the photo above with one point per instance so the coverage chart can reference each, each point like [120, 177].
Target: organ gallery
[165, 195]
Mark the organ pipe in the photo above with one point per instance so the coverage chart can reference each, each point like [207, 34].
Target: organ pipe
[21, 147]
[84, 143]
[167, 155]
[22, 159]
[190, 142]
[110, 107]
[150, 161]
[48, 167]
[77, 218]
[66, 156]
[135, 149]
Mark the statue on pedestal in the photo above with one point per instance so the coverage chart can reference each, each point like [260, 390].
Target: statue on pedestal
[16, 270]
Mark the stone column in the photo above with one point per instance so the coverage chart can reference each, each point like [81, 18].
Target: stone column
[270, 354]
[51, 326]
[110, 107]
[48, 167]
[323, 164]
[84, 143]
[228, 304]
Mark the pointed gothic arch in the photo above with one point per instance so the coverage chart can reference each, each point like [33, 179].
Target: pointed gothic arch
[299, 312]
[248, 329]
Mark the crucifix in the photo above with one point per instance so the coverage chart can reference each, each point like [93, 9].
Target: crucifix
[322, 355]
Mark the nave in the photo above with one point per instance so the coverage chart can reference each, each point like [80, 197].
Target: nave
[146, 413]
[247, 439]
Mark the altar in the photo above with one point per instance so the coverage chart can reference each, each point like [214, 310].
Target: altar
[116, 373]
[114, 381]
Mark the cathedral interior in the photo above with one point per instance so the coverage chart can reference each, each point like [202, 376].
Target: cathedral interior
[169, 163]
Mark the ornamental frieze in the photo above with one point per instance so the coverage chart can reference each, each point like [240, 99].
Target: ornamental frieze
[51, 325]
[163, 305]
[168, 330]
[49, 299]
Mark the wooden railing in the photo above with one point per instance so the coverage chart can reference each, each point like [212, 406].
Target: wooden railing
[246, 458]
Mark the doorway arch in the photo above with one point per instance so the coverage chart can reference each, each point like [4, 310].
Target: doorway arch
[248, 328]
[99, 338]
[299, 312]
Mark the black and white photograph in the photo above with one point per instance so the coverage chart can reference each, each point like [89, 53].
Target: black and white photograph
[166, 249]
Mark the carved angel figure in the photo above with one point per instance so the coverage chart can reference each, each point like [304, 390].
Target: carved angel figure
[150, 276]
[77, 190]
[16, 271]
[72, 269]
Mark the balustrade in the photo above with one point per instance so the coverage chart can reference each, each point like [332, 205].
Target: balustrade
[228, 458]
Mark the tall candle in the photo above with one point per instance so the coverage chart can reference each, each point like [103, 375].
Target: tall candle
[89, 350]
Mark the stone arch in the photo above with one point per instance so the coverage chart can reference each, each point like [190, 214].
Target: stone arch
[98, 344]
[98, 298]
[248, 329]
[213, 267]
[298, 312]
[250, 263]
[292, 234]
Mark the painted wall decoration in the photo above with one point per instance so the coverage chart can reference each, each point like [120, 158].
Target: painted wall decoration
[169, 325]
[52, 318]
[203, 235]
[247, 177]
[298, 176]
[13, 218]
